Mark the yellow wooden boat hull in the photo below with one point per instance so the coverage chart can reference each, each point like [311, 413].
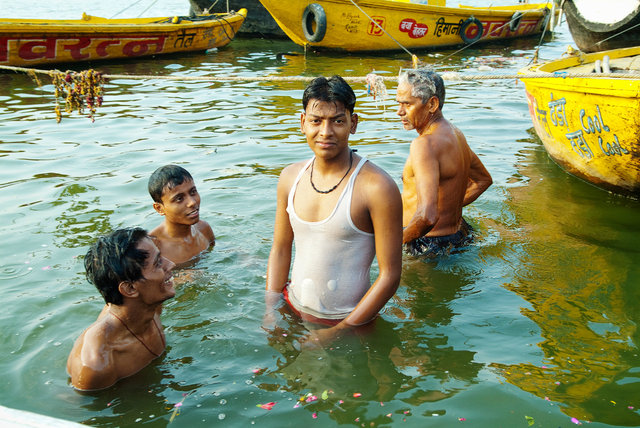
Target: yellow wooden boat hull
[41, 41]
[590, 125]
[387, 25]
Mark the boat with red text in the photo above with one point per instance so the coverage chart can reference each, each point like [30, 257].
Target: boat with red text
[42, 41]
[386, 25]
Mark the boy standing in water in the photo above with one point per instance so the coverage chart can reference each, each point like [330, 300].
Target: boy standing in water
[182, 235]
[340, 210]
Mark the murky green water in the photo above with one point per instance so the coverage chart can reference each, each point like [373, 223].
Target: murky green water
[537, 320]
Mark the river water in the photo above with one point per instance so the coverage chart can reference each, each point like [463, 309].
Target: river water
[536, 323]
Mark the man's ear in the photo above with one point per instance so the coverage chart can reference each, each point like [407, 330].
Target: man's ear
[302, 117]
[127, 289]
[158, 207]
[433, 104]
[354, 123]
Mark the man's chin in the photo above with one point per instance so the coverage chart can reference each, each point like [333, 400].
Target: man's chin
[408, 126]
[170, 294]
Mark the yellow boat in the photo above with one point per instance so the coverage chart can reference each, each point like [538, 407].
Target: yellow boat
[588, 119]
[386, 25]
[42, 41]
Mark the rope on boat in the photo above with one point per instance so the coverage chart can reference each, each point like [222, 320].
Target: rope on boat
[131, 5]
[415, 59]
[616, 35]
[84, 89]
[446, 75]
[385, 32]
[499, 29]
[536, 53]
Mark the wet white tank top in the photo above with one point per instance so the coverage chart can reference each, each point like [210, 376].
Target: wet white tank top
[332, 258]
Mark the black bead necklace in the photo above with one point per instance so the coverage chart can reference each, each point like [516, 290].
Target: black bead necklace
[324, 192]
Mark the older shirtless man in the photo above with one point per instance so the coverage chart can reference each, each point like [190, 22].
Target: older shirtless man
[341, 210]
[134, 278]
[441, 175]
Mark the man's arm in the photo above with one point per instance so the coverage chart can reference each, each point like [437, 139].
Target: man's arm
[385, 209]
[280, 255]
[426, 170]
[479, 180]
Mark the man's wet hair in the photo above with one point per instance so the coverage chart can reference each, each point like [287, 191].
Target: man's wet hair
[334, 89]
[115, 258]
[166, 176]
[424, 84]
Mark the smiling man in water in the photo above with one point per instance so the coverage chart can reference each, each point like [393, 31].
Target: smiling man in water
[134, 278]
[182, 235]
[340, 210]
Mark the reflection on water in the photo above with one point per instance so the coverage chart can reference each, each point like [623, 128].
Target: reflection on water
[583, 294]
[551, 280]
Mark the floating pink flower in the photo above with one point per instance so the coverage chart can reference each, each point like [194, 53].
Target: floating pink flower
[576, 421]
[314, 415]
[357, 394]
[266, 406]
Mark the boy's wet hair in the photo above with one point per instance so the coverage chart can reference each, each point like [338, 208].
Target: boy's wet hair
[424, 84]
[166, 176]
[334, 89]
[115, 258]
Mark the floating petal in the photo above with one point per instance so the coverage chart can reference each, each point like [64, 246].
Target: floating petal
[266, 406]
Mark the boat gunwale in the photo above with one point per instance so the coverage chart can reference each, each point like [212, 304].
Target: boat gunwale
[8, 26]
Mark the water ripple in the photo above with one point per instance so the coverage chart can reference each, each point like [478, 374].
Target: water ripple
[15, 270]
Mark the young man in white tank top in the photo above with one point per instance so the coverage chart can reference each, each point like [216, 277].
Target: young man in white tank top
[340, 210]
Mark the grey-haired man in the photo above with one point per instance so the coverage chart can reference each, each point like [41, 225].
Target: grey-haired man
[441, 175]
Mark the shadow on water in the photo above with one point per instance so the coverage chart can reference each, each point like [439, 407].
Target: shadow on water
[579, 272]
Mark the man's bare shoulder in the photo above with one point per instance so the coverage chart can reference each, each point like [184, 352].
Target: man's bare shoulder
[436, 143]
[290, 172]
[159, 232]
[204, 228]
[376, 179]
[91, 363]
[293, 169]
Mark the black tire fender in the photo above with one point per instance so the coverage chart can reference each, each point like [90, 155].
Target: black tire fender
[514, 22]
[314, 14]
[465, 25]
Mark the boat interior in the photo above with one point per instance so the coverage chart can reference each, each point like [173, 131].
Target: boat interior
[626, 65]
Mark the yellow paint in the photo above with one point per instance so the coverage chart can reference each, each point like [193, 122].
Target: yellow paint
[590, 125]
[412, 25]
[42, 41]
